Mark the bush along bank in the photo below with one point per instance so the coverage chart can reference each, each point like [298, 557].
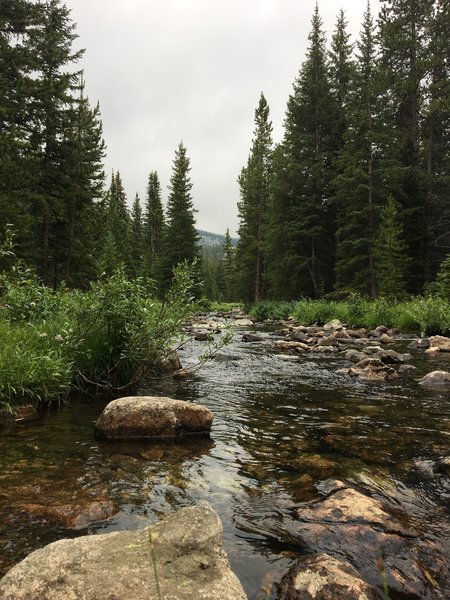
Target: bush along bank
[423, 315]
[111, 336]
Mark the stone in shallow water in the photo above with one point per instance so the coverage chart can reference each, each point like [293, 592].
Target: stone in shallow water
[141, 417]
[322, 577]
[436, 379]
[186, 553]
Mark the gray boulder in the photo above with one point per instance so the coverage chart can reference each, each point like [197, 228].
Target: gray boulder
[142, 417]
[183, 554]
[441, 342]
[436, 379]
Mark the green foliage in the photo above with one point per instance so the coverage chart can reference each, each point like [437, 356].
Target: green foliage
[443, 279]
[111, 336]
[270, 309]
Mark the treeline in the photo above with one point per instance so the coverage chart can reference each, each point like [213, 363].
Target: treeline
[355, 198]
[51, 163]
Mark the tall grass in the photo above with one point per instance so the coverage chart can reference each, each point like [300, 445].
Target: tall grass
[110, 336]
[423, 315]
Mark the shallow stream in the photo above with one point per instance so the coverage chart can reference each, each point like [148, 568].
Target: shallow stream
[282, 425]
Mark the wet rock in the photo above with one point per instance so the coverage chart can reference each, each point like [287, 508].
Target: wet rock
[322, 577]
[436, 379]
[326, 349]
[381, 329]
[391, 357]
[386, 339]
[432, 350]
[419, 343]
[333, 325]
[407, 370]
[243, 323]
[185, 550]
[201, 336]
[73, 516]
[370, 369]
[141, 417]
[328, 341]
[442, 466]
[392, 331]
[441, 342]
[285, 345]
[299, 336]
[169, 363]
[354, 355]
[357, 333]
[252, 337]
[379, 543]
[371, 350]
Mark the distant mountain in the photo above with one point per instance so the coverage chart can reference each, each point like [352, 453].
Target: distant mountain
[212, 239]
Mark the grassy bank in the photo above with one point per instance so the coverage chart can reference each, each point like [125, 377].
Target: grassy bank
[111, 336]
[421, 315]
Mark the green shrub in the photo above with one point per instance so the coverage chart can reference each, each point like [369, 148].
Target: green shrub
[270, 309]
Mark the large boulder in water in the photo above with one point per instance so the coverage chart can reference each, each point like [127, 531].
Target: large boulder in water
[184, 550]
[322, 577]
[143, 417]
[436, 379]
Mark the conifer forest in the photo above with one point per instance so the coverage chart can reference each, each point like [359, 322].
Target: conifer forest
[353, 199]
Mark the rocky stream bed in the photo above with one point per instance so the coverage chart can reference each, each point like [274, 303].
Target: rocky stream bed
[327, 463]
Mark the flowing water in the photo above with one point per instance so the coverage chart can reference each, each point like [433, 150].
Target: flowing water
[283, 424]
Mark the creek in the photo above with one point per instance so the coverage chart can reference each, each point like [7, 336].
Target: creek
[283, 424]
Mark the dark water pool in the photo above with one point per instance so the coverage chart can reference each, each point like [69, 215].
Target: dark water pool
[282, 425]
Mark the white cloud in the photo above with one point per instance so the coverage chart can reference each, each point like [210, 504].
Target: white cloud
[166, 70]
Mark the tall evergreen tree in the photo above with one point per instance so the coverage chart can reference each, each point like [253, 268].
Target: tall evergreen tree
[180, 237]
[228, 269]
[254, 182]
[358, 182]
[153, 223]
[390, 252]
[404, 62]
[302, 186]
[118, 222]
[436, 139]
[137, 239]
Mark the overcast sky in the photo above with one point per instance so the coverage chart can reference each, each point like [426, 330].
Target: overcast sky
[192, 70]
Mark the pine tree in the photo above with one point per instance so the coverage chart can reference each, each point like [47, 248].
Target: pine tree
[84, 187]
[118, 222]
[180, 237]
[137, 239]
[357, 183]
[254, 182]
[53, 99]
[228, 269]
[153, 224]
[404, 65]
[436, 139]
[303, 263]
[390, 252]
[443, 279]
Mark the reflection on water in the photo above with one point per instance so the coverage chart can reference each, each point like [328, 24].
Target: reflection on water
[282, 424]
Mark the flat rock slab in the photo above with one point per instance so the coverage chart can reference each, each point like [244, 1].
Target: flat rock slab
[185, 550]
[144, 417]
[379, 544]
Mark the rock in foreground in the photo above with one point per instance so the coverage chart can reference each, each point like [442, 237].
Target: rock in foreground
[382, 544]
[186, 549]
[324, 578]
[143, 417]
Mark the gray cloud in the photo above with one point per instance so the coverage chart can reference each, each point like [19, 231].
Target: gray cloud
[192, 70]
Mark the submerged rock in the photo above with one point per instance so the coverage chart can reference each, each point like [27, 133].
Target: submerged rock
[436, 379]
[382, 545]
[370, 369]
[442, 466]
[252, 337]
[140, 417]
[322, 577]
[185, 550]
[74, 516]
